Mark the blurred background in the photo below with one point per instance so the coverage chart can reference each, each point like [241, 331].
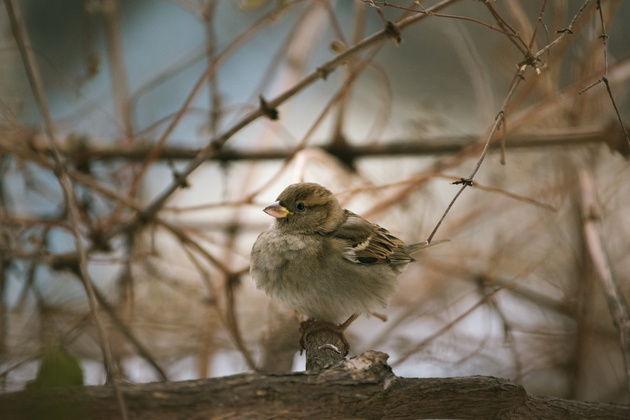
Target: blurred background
[136, 89]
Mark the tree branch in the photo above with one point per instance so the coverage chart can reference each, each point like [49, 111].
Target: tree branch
[402, 147]
[617, 304]
[363, 387]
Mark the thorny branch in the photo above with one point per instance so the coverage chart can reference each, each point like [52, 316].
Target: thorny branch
[500, 117]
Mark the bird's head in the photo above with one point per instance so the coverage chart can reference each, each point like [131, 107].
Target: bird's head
[306, 208]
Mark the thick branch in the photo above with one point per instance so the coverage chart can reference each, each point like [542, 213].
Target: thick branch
[363, 387]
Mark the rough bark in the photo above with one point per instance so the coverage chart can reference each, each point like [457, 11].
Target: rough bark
[324, 345]
[363, 387]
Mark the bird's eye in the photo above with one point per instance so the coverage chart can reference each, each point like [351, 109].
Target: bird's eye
[300, 207]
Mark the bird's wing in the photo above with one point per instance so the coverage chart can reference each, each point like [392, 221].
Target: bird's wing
[368, 243]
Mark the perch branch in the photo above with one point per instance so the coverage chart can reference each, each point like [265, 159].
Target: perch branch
[363, 387]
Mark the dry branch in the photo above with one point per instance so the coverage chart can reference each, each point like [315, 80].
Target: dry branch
[363, 387]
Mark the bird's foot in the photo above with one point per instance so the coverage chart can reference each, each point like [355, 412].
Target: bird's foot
[382, 317]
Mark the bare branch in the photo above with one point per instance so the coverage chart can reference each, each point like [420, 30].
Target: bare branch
[376, 393]
[617, 303]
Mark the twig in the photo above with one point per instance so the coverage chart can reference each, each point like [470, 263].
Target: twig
[188, 59]
[501, 191]
[539, 22]
[215, 98]
[442, 15]
[617, 304]
[116, 62]
[445, 328]
[229, 319]
[603, 36]
[143, 351]
[563, 33]
[612, 100]
[521, 44]
[232, 281]
[27, 150]
[500, 118]
[604, 79]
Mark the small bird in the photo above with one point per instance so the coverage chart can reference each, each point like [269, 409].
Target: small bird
[326, 262]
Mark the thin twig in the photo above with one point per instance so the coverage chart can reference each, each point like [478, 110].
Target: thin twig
[539, 22]
[514, 196]
[612, 100]
[521, 44]
[215, 98]
[445, 328]
[617, 304]
[603, 36]
[500, 118]
[116, 62]
[563, 33]
[216, 144]
[604, 79]
[142, 350]
[443, 15]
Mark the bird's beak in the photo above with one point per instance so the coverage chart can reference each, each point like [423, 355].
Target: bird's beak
[277, 211]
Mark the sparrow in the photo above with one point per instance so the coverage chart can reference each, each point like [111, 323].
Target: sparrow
[327, 263]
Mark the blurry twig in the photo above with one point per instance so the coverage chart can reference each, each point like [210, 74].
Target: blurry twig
[116, 62]
[189, 58]
[617, 304]
[229, 319]
[211, 38]
[336, 99]
[563, 32]
[143, 351]
[29, 150]
[217, 143]
[445, 328]
[209, 73]
[442, 15]
[514, 37]
[539, 22]
[232, 281]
